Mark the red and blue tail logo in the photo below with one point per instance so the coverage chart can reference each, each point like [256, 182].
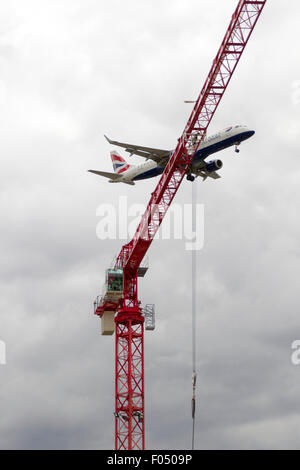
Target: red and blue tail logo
[119, 164]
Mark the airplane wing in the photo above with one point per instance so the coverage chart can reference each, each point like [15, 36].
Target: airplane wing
[158, 155]
[202, 171]
[106, 174]
[209, 174]
[212, 174]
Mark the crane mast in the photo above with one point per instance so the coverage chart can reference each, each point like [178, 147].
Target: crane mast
[129, 320]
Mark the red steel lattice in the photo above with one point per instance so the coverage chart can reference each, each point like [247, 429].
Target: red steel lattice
[129, 402]
[129, 396]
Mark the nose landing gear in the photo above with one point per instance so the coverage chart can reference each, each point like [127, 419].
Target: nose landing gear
[237, 150]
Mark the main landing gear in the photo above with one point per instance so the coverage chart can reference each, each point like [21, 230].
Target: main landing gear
[190, 178]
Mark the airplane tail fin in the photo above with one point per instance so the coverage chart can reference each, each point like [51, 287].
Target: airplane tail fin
[119, 164]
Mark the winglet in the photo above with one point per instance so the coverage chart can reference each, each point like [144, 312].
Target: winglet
[108, 140]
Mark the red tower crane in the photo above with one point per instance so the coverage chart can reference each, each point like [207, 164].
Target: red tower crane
[125, 308]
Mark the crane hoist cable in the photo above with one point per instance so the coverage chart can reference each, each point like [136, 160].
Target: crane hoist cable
[194, 300]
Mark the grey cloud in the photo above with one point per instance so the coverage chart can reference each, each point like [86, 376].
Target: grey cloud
[71, 72]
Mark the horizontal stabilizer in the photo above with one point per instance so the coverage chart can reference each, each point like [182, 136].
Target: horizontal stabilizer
[106, 174]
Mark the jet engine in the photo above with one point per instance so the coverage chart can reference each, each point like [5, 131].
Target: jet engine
[213, 165]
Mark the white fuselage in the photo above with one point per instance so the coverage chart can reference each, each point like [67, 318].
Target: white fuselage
[228, 137]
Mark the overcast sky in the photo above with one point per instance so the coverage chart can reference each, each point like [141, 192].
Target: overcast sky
[70, 71]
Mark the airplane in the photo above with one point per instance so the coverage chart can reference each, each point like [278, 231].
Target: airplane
[156, 159]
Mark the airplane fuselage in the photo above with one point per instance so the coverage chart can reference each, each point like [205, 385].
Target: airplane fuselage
[227, 138]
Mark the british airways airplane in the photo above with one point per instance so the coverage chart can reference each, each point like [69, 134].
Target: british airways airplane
[156, 159]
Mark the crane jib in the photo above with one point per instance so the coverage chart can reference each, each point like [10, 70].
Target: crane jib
[240, 29]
